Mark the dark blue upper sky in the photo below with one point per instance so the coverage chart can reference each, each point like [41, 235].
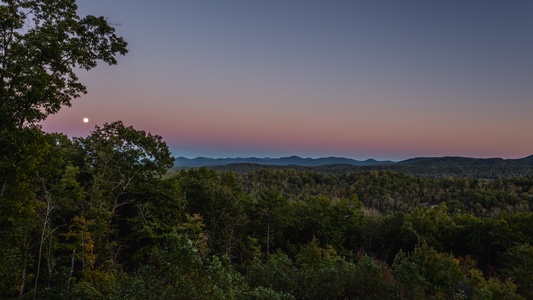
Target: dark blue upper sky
[383, 79]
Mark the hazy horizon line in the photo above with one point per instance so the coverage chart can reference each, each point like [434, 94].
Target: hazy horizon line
[335, 156]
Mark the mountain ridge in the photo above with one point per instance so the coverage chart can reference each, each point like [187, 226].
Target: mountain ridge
[462, 160]
[282, 161]
[334, 160]
[455, 166]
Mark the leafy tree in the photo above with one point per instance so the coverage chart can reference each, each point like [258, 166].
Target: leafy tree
[278, 272]
[20, 157]
[411, 283]
[519, 267]
[325, 275]
[429, 270]
[42, 44]
[175, 271]
[219, 200]
[268, 214]
[118, 157]
[433, 225]
[120, 163]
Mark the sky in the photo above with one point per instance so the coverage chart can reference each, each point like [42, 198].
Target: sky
[360, 79]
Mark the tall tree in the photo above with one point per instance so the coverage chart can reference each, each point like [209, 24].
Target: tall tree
[21, 153]
[42, 43]
[119, 164]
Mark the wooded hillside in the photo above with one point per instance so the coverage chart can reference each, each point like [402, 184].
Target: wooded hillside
[94, 218]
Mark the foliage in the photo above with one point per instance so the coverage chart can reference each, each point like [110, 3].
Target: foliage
[386, 192]
[43, 43]
[519, 268]
[110, 225]
[95, 218]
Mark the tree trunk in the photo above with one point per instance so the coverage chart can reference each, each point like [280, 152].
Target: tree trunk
[3, 188]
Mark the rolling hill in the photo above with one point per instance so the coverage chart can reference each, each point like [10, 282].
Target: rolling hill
[283, 161]
[490, 168]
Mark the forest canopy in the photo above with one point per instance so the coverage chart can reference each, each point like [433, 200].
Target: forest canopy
[100, 217]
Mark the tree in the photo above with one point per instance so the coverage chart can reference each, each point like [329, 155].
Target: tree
[120, 165]
[269, 212]
[20, 157]
[174, 270]
[220, 201]
[519, 267]
[42, 43]
[118, 157]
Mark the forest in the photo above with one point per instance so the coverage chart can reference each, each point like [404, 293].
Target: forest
[101, 217]
[107, 217]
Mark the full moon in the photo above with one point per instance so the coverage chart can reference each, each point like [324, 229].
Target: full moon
[85, 120]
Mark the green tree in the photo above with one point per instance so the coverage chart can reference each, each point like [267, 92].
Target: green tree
[268, 214]
[42, 43]
[278, 272]
[119, 164]
[519, 267]
[20, 157]
[427, 273]
[220, 201]
[434, 225]
[175, 270]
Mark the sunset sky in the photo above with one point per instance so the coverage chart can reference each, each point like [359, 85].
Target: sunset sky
[360, 79]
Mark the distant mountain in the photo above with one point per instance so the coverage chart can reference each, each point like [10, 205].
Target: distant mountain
[448, 166]
[454, 166]
[528, 158]
[490, 168]
[457, 161]
[283, 161]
